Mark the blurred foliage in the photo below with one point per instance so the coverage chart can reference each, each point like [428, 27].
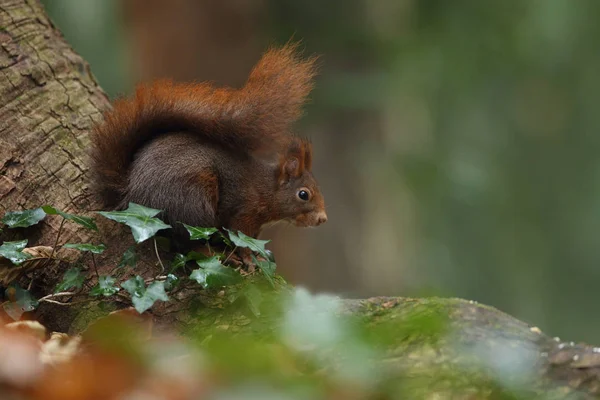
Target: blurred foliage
[484, 135]
[311, 349]
[487, 119]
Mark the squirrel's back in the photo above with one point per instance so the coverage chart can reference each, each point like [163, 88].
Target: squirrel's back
[183, 175]
[243, 121]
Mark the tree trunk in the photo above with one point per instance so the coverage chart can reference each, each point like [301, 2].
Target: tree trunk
[216, 41]
[50, 101]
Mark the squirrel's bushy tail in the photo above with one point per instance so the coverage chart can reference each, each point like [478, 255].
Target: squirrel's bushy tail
[244, 120]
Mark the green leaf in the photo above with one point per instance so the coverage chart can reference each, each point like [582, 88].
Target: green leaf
[179, 261]
[225, 239]
[143, 298]
[207, 262]
[139, 219]
[86, 222]
[24, 302]
[241, 240]
[129, 258]
[135, 286]
[171, 282]
[194, 255]
[267, 267]
[73, 278]
[105, 287]
[212, 274]
[92, 248]
[23, 219]
[12, 251]
[198, 233]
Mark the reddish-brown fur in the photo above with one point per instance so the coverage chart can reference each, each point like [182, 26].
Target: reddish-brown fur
[214, 156]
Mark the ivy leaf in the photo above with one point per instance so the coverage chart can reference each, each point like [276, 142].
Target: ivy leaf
[270, 255]
[241, 240]
[21, 301]
[225, 239]
[140, 219]
[12, 251]
[105, 287]
[198, 233]
[143, 298]
[171, 282]
[73, 278]
[197, 256]
[129, 258]
[267, 267]
[212, 274]
[92, 248]
[135, 286]
[23, 219]
[86, 222]
[179, 261]
[206, 262]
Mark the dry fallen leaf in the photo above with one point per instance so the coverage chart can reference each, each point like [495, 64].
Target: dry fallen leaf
[10, 272]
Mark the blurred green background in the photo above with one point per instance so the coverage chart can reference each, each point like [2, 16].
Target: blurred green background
[456, 141]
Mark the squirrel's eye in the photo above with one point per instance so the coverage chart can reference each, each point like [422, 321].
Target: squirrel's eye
[303, 195]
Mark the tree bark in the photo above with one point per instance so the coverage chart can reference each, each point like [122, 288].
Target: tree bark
[49, 102]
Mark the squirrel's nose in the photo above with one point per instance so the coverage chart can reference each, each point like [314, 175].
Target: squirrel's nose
[321, 218]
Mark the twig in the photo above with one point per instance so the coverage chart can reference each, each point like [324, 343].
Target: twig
[45, 298]
[66, 304]
[230, 254]
[54, 302]
[55, 242]
[95, 267]
[123, 298]
[155, 279]
[48, 299]
[157, 256]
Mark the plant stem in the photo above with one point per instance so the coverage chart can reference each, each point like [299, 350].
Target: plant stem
[95, 267]
[45, 298]
[230, 254]
[158, 256]
[56, 241]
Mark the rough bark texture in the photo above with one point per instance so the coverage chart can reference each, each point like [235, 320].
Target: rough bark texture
[49, 100]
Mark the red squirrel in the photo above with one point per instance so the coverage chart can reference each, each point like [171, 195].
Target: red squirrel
[214, 157]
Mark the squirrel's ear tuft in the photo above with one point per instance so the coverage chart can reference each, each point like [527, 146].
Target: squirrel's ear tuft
[289, 169]
[297, 159]
[301, 148]
[307, 151]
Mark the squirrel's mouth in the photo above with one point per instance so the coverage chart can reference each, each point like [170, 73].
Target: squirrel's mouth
[310, 219]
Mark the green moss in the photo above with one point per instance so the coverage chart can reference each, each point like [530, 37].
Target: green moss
[86, 314]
